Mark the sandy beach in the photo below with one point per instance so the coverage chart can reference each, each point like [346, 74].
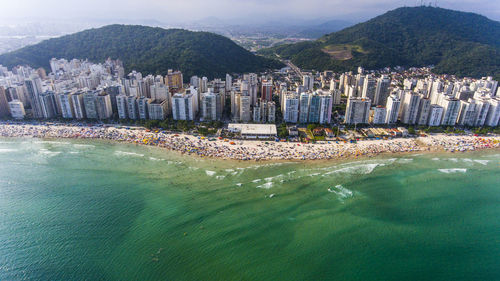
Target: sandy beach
[254, 150]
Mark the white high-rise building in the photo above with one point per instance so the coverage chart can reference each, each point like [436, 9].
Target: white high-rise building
[245, 111]
[183, 106]
[482, 108]
[34, 89]
[103, 105]
[369, 88]
[357, 111]
[392, 108]
[66, 103]
[132, 112]
[435, 115]
[142, 107]
[304, 108]
[410, 108]
[208, 106]
[423, 111]
[195, 82]
[121, 104]
[78, 105]
[336, 95]
[308, 82]
[451, 107]
[291, 108]
[379, 115]
[325, 111]
[157, 110]
[229, 83]
[493, 117]
[382, 90]
[90, 105]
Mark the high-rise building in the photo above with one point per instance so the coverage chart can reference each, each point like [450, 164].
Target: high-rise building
[183, 106]
[271, 112]
[291, 108]
[423, 111]
[203, 85]
[382, 90]
[66, 103]
[379, 115]
[209, 106]
[369, 88]
[482, 108]
[103, 106]
[132, 111]
[392, 108]
[435, 115]
[304, 108]
[357, 111]
[16, 108]
[174, 80]
[78, 105]
[34, 89]
[451, 107]
[493, 117]
[158, 110]
[245, 111]
[142, 107]
[90, 105]
[409, 108]
[229, 83]
[113, 91]
[308, 82]
[467, 114]
[325, 111]
[267, 91]
[4, 106]
[48, 104]
[121, 103]
[314, 108]
[195, 82]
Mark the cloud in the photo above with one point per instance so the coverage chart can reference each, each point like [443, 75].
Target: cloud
[260, 10]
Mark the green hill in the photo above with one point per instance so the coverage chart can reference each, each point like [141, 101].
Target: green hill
[460, 43]
[146, 49]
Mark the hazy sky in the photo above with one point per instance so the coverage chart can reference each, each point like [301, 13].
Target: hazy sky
[260, 10]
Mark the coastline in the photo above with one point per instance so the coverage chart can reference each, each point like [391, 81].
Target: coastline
[248, 150]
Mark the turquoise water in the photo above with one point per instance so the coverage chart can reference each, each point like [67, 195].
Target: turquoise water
[80, 210]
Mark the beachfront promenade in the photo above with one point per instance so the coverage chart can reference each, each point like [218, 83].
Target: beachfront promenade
[253, 150]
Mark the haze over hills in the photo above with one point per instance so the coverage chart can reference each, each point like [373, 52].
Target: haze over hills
[460, 43]
[146, 49]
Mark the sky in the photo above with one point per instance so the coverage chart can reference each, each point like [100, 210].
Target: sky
[169, 11]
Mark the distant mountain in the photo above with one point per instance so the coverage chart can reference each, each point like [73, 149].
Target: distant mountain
[319, 30]
[146, 49]
[460, 43]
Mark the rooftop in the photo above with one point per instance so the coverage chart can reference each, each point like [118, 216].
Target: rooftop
[254, 129]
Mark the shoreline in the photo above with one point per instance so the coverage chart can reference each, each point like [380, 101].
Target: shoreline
[251, 150]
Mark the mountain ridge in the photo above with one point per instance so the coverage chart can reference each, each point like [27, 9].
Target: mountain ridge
[146, 49]
[461, 43]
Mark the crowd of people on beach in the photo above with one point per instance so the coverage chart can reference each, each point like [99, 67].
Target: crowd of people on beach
[250, 150]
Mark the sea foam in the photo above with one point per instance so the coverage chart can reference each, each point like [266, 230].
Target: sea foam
[125, 153]
[267, 185]
[456, 170]
[341, 191]
[210, 173]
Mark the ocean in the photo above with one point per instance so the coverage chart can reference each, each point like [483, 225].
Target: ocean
[98, 210]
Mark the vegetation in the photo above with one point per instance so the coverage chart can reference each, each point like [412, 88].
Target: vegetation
[282, 131]
[146, 49]
[464, 44]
